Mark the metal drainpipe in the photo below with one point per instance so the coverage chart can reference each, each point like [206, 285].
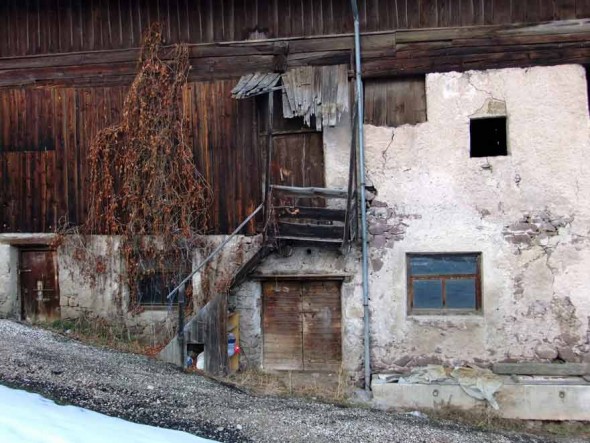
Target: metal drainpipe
[364, 239]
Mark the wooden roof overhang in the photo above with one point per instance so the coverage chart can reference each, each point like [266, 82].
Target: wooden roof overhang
[385, 54]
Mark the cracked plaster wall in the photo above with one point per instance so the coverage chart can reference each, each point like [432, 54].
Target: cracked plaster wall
[9, 301]
[528, 213]
[79, 295]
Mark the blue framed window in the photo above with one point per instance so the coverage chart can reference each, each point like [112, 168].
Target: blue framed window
[439, 283]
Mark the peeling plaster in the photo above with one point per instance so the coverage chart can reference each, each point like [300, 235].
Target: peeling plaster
[524, 212]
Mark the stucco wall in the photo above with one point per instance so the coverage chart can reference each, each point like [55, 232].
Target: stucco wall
[91, 280]
[9, 306]
[528, 213]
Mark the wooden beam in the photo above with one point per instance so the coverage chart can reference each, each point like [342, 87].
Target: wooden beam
[338, 277]
[547, 369]
[310, 230]
[388, 53]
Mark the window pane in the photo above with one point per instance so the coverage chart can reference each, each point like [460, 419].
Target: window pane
[443, 264]
[427, 294]
[461, 294]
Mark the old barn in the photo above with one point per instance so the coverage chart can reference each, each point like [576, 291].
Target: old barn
[395, 184]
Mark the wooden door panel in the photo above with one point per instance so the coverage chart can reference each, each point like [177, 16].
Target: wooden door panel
[322, 323]
[39, 287]
[298, 160]
[282, 325]
[302, 324]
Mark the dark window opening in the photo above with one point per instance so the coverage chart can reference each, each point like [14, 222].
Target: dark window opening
[153, 289]
[488, 137]
[157, 280]
[439, 283]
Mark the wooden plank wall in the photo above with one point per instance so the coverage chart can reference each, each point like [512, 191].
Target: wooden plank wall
[45, 135]
[57, 26]
[224, 137]
[41, 187]
[395, 102]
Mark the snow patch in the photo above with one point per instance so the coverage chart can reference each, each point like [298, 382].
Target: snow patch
[30, 418]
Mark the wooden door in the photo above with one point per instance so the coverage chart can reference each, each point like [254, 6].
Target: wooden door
[302, 325]
[298, 160]
[39, 285]
[321, 316]
[283, 346]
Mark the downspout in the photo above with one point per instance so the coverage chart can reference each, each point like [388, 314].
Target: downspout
[364, 239]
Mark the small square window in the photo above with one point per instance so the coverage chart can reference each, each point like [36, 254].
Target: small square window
[488, 137]
[444, 283]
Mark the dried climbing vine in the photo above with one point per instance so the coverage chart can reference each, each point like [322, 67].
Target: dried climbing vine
[144, 185]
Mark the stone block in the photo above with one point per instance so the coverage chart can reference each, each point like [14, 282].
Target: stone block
[523, 227]
[545, 352]
[567, 354]
[378, 241]
[378, 229]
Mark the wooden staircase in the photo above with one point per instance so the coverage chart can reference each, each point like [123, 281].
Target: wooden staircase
[300, 224]
[209, 326]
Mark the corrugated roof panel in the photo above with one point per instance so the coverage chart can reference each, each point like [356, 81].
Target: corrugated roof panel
[253, 84]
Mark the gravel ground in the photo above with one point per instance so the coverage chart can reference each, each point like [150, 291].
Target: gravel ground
[146, 391]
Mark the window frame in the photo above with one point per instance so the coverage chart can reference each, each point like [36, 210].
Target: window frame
[478, 310]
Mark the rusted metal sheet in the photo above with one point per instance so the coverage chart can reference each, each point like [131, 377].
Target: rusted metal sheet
[302, 325]
[39, 285]
[54, 26]
[45, 135]
[395, 102]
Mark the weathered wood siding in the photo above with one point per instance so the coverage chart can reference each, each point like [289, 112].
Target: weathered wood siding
[395, 102]
[57, 26]
[302, 322]
[45, 135]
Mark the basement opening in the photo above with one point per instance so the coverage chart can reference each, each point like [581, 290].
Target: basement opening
[488, 137]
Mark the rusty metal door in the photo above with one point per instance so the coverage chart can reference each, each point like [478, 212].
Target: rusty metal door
[302, 325]
[39, 285]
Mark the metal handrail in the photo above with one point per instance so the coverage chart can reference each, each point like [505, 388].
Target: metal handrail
[215, 252]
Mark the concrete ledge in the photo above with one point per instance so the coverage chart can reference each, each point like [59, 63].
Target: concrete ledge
[518, 401]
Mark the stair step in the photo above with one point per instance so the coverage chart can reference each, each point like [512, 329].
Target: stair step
[300, 212]
[289, 238]
[311, 191]
[310, 230]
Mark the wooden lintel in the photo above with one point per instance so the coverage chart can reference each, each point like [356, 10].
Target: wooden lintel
[271, 277]
[28, 239]
[546, 369]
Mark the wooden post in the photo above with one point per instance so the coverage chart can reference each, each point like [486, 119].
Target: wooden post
[181, 343]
